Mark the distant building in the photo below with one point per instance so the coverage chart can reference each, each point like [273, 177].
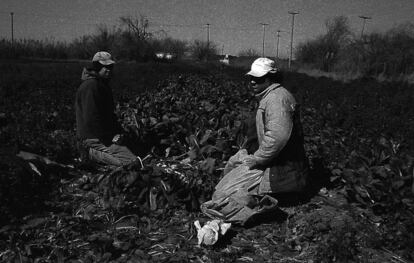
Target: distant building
[225, 60]
[159, 55]
[165, 56]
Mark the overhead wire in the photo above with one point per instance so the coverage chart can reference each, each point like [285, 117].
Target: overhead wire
[151, 24]
[58, 20]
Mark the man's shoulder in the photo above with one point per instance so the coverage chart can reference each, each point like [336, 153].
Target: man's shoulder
[88, 84]
[280, 96]
[281, 92]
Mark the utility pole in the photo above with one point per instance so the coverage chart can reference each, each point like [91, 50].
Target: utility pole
[264, 33]
[208, 34]
[291, 35]
[208, 40]
[364, 18]
[145, 28]
[277, 44]
[12, 28]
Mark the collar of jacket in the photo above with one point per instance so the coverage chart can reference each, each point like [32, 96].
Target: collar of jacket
[267, 90]
[88, 74]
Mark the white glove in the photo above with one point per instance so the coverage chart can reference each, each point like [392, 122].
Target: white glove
[209, 233]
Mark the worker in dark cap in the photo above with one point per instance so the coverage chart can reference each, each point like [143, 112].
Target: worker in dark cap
[98, 131]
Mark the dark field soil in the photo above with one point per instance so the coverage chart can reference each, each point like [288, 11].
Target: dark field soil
[187, 120]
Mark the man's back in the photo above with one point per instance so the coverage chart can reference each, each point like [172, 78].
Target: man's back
[94, 110]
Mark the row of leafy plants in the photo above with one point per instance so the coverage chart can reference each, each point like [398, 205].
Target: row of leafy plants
[374, 172]
[191, 123]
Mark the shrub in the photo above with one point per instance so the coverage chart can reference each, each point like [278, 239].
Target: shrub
[202, 50]
[250, 52]
[323, 51]
[131, 40]
[170, 45]
[33, 48]
[388, 54]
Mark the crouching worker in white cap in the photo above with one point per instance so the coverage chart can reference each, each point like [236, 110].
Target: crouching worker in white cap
[281, 153]
[98, 131]
[253, 184]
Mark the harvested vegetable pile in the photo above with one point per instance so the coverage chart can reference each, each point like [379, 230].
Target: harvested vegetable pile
[359, 207]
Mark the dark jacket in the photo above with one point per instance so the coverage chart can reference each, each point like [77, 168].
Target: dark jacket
[281, 147]
[94, 104]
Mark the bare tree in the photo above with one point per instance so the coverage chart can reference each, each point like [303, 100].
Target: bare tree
[135, 38]
[136, 26]
[248, 53]
[324, 51]
[202, 50]
[338, 30]
[104, 39]
[337, 37]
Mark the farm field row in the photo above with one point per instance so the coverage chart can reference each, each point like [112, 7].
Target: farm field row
[191, 118]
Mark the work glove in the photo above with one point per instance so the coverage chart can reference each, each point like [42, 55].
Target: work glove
[250, 161]
[118, 138]
[210, 232]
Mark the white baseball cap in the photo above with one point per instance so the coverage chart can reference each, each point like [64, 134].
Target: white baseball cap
[103, 57]
[261, 67]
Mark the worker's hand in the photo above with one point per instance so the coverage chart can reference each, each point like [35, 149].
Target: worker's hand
[250, 161]
[117, 139]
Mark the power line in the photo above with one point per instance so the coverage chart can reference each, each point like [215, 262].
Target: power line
[202, 25]
[58, 19]
[251, 29]
[153, 24]
[49, 16]
[96, 23]
[176, 25]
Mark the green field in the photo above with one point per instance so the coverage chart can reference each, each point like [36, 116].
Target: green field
[358, 137]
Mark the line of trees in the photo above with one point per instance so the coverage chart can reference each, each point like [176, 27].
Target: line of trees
[340, 50]
[131, 40]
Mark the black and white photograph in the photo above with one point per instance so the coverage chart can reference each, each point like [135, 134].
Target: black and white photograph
[207, 131]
